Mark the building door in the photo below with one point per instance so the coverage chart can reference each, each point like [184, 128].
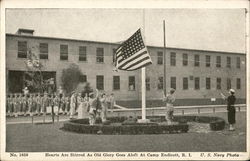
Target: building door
[15, 81]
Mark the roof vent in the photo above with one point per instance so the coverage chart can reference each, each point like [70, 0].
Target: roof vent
[25, 31]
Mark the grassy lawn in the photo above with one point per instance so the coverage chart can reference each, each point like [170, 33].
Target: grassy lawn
[49, 138]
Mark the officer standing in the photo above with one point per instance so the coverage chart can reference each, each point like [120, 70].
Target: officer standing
[230, 108]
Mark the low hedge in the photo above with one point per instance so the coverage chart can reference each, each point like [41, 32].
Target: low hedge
[215, 123]
[128, 125]
[125, 129]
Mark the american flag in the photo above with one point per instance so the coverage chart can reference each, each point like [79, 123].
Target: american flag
[132, 54]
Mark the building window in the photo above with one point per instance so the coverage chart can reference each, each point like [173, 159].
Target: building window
[147, 84]
[238, 62]
[63, 52]
[208, 59]
[44, 51]
[218, 61]
[196, 60]
[82, 53]
[160, 57]
[184, 59]
[116, 82]
[172, 59]
[238, 83]
[99, 55]
[208, 83]
[196, 83]
[229, 62]
[173, 82]
[131, 83]
[218, 83]
[83, 78]
[100, 82]
[114, 55]
[228, 83]
[185, 83]
[160, 83]
[22, 49]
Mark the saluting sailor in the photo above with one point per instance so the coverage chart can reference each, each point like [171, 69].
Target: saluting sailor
[169, 100]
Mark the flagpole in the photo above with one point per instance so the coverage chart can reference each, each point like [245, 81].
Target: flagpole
[164, 59]
[143, 78]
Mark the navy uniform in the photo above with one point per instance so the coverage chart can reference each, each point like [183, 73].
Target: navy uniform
[38, 104]
[8, 105]
[67, 104]
[45, 103]
[73, 102]
[30, 104]
[15, 104]
[231, 109]
[63, 104]
[169, 100]
[25, 105]
[56, 101]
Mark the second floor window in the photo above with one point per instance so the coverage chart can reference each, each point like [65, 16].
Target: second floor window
[218, 61]
[238, 62]
[196, 60]
[99, 55]
[131, 83]
[22, 49]
[229, 62]
[184, 59]
[160, 57]
[63, 52]
[172, 59]
[43, 51]
[82, 53]
[114, 55]
[208, 59]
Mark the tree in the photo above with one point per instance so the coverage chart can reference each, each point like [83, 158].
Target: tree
[33, 75]
[70, 78]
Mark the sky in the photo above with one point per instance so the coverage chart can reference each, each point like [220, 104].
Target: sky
[204, 29]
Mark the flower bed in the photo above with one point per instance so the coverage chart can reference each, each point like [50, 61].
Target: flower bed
[125, 125]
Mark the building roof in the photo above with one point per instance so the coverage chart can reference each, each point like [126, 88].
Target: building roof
[112, 43]
[20, 30]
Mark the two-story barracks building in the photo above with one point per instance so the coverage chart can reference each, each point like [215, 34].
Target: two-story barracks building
[197, 75]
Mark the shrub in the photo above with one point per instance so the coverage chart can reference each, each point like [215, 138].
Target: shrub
[70, 77]
[217, 125]
[130, 125]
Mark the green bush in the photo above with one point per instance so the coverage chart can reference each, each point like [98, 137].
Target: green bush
[217, 125]
[130, 126]
[125, 129]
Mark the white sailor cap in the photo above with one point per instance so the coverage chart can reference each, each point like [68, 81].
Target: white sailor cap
[172, 90]
[232, 90]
